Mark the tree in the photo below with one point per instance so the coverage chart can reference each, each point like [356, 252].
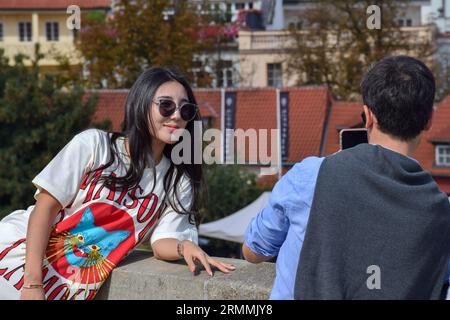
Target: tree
[229, 188]
[335, 45]
[137, 35]
[39, 114]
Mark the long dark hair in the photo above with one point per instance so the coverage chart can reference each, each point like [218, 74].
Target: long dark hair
[136, 128]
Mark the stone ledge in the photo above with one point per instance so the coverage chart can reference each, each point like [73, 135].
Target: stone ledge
[141, 276]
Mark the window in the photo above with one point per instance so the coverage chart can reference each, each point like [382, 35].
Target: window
[228, 13]
[274, 75]
[401, 23]
[24, 31]
[443, 155]
[239, 6]
[52, 31]
[250, 5]
[1, 31]
[408, 22]
[225, 75]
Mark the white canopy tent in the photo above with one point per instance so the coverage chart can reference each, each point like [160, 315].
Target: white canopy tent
[232, 227]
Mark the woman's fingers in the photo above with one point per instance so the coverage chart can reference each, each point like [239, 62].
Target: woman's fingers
[222, 266]
[204, 261]
[193, 253]
[190, 262]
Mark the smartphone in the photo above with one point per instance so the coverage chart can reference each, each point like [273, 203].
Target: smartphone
[348, 138]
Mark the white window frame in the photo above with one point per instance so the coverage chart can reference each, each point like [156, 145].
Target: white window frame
[240, 6]
[226, 76]
[273, 81]
[27, 37]
[54, 32]
[443, 158]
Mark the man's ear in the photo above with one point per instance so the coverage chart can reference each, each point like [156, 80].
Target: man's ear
[370, 118]
[430, 122]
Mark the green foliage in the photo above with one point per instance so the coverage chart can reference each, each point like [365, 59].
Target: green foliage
[229, 188]
[141, 34]
[39, 114]
[335, 46]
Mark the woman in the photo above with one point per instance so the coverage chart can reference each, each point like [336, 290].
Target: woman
[104, 194]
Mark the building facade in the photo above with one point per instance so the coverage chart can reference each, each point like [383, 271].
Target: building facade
[23, 24]
[264, 54]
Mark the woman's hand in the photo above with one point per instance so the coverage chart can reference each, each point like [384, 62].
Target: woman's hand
[192, 252]
[32, 294]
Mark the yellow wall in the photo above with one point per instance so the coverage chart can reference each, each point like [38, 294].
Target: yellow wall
[12, 45]
[259, 48]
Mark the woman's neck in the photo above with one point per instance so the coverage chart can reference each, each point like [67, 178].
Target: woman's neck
[157, 149]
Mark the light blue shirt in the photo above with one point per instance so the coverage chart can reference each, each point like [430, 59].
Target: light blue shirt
[279, 229]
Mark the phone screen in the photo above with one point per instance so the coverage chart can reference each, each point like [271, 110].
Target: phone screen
[352, 137]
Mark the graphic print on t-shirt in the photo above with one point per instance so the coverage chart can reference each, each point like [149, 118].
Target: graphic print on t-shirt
[85, 247]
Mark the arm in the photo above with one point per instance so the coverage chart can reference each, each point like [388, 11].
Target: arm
[267, 231]
[58, 184]
[38, 234]
[252, 257]
[173, 249]
[291, 196]
[175, 238]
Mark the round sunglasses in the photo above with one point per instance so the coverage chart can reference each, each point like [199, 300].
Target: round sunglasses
[168, 107]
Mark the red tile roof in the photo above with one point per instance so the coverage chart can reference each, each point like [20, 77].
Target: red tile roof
[309, 109]
[439, 131]
[343, 114]
[256, 109]
[441, 136]
[209, 102]
[53, 4]
[111, 105]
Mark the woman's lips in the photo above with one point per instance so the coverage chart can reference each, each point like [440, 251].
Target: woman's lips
[171, 128]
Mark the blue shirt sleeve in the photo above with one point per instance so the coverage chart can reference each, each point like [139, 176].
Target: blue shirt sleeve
[267, 232]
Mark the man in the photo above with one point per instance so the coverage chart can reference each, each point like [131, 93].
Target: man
[366, 222]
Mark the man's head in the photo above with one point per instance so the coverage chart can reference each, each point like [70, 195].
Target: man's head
[399, 92]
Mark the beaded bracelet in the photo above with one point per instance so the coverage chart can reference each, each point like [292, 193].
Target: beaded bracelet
[33, 286]
[180, 249]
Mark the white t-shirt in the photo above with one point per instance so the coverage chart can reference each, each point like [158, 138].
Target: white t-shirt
[97, 227]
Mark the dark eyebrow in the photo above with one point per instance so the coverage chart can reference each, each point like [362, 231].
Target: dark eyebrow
[171, 98]
[165, 97]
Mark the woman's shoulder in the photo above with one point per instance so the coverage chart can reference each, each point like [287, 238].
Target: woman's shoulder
[92, 136]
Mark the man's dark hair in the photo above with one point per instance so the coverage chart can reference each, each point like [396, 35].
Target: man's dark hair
[400, 92]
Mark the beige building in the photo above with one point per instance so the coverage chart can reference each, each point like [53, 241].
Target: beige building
[263, 57]
[262, 54]
[25, 23]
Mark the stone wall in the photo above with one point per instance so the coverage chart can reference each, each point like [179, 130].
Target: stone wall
[141, 276]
